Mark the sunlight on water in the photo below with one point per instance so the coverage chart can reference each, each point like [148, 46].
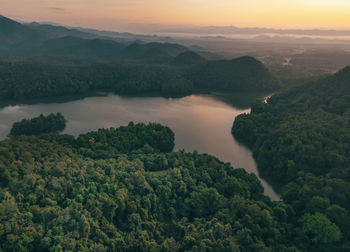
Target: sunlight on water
[200, 122]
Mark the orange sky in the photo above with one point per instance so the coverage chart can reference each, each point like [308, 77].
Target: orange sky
[241, 13]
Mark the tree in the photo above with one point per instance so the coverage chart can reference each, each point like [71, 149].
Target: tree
[39, 125]
[320, 229]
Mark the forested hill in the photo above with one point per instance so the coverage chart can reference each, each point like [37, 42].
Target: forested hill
[124, 190]
[26, 41]
[14, 35]
[243, 73]
[301, 142]
[34, 79]
[49, 61]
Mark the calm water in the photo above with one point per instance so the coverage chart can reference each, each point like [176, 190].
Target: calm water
[200, 122]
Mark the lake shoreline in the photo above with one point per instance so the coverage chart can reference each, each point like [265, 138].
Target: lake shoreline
[201, 122]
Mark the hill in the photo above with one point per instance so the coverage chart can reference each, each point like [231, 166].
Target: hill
[125, 190]
[61, 31]
[85, 48]
[56, 64]
[188, 58]
[15, 37]
[34, 79]
[31, 40]
[241, 74]
[300, 140]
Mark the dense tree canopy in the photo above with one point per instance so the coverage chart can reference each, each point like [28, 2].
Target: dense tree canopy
[52, 77]
[39, 125]
[60, 193]
[241, 74]
[108, 142]
[301, 141]
[126, 190]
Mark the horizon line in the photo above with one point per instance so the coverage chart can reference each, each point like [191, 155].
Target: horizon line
[187, 26]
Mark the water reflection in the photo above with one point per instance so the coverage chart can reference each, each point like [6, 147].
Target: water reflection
[200, 122]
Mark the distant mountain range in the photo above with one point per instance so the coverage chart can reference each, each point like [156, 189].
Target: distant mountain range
[42, 40]
[14, 35]
[227, 30]
[61, 31]
[63, 61]
[87, 33]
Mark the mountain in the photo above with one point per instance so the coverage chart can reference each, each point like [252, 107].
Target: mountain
[78, 47]
[30, 40]
[12, 32]
[24, 41]
[61, 31]
[102, 49]
[155, 56]
[125, 36]
[333, 88]
[35, 79]
[171, 48]
[188, 58]
[300, 139]
[227, 30]
[16, 37]
[47, 40]
[241, 74]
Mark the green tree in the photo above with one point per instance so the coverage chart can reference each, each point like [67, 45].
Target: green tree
[320, 229]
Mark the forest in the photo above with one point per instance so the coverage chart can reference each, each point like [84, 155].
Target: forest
[301, 141]
[39, 125]
[46, 61]
[22, 79]
[126, 190]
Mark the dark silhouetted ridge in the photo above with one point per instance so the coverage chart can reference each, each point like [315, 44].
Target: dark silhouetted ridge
[188, 58]
[241, 74]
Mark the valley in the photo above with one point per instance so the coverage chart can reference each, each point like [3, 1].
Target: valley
[113, 141]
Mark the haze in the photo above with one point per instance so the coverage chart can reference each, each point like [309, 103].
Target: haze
[114, 14]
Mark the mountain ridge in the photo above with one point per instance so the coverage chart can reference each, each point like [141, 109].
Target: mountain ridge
[133, 68]
[299, 138]
[22, 40]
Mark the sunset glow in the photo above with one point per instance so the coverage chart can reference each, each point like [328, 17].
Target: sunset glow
[248, 13]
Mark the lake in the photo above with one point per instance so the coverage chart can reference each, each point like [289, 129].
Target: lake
[200, 122]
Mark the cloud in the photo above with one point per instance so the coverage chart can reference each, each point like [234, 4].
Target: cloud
[58, 10]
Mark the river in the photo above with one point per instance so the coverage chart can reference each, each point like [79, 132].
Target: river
[200, 122]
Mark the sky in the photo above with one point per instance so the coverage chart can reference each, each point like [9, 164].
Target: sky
[114, 14]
